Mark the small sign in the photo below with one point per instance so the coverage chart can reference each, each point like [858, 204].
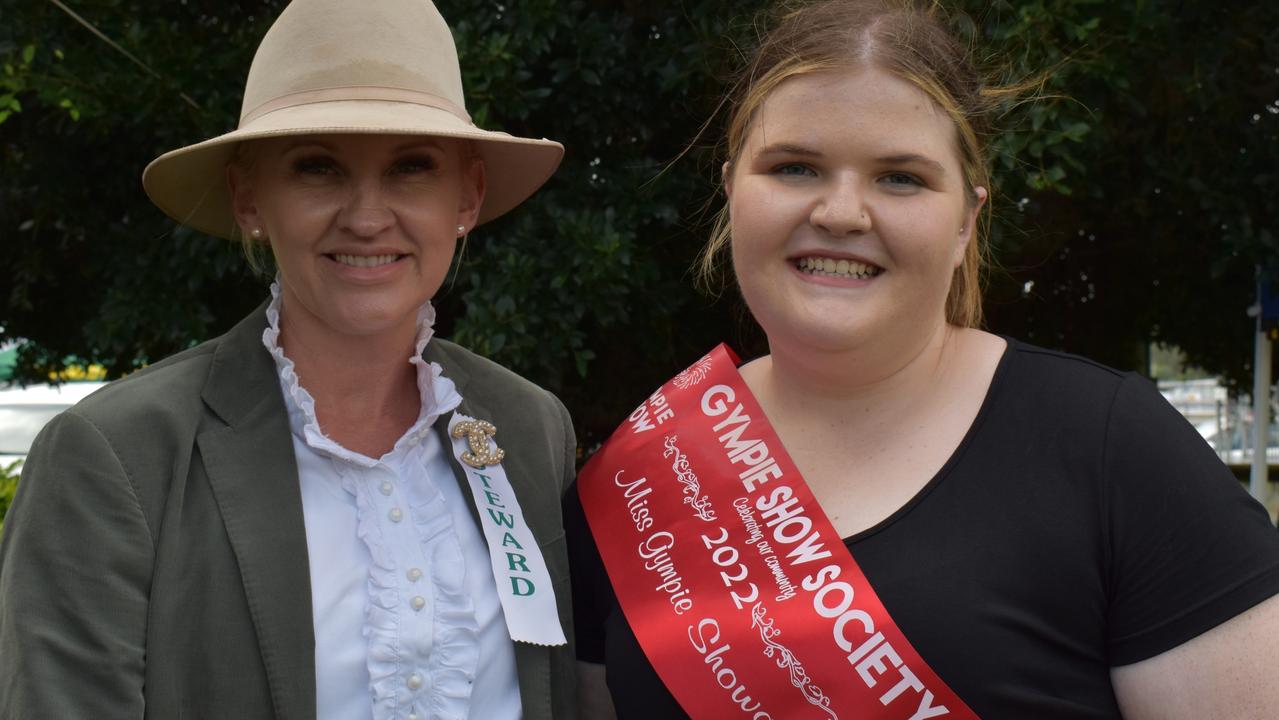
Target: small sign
[1269, 296]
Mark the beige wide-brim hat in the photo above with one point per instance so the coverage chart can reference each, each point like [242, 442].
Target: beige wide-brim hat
[386, 67]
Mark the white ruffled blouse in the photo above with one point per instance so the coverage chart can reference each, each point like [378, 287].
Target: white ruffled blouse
[407, 618]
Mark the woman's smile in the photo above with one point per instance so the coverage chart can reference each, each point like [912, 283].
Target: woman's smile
[367, 267]
[365, 261]
[835, 270]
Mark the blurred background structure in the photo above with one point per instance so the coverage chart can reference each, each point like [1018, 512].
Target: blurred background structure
[1225, 421]
[1137, 196]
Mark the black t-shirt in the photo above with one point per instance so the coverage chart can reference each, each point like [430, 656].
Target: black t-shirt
[1081, 524]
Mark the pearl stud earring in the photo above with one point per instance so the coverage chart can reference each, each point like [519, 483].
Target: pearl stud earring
[256, 233]
[461, 230]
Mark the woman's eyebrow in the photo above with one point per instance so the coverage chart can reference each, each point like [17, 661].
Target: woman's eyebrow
[784, 148]
[912, 158]
[788, 149]
[306, 142]
[418, 143]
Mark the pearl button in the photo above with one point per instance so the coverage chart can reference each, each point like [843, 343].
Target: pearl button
[414, 574]
[386, 488]
[418, 602]
[415, 681]
[396, 514]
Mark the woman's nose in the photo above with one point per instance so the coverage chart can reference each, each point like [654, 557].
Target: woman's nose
[841, 208]
[367, 212]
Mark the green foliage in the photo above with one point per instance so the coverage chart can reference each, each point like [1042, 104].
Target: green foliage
[8, 487]
[582, 288]
[1133, 198]
[90, 269]
[1138, 192]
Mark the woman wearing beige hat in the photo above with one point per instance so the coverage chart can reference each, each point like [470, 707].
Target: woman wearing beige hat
[324, 512]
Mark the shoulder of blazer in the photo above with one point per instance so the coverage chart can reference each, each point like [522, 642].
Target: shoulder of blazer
[172, 389]
[485, 383]
[151, 418]
[530, 420]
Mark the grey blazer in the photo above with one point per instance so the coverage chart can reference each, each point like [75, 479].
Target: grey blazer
[154, 562]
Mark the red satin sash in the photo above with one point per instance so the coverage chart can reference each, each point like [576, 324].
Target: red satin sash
[743, 596]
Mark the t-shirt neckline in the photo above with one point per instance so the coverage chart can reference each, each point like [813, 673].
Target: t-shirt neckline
[992, 395]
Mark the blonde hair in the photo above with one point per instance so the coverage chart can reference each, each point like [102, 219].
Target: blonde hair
[256, 252]
[906, 38]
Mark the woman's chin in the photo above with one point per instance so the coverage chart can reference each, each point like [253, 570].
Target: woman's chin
[818, 335]
[375, 324]
[845, 333]
[369, 320]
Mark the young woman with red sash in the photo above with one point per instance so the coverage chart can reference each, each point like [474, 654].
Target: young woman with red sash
[1025, 533]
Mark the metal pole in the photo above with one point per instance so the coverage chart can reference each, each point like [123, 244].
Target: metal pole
[1258, 480]
[1219, 439]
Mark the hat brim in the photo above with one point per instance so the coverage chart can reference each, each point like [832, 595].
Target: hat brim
[189, 184]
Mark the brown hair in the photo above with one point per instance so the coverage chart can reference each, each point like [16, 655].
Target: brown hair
[906, 38]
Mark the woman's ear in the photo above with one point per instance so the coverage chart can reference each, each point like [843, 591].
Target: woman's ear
[471, 198]
[243, 204]
[727, 176]
[969, 228]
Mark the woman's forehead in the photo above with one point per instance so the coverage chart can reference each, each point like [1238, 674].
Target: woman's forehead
[864, 106]
[858, 94]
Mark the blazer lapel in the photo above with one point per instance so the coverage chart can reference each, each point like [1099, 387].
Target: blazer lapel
[532, 662]
[254, 477]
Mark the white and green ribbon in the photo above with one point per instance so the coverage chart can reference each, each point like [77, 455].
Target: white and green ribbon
[519, 571]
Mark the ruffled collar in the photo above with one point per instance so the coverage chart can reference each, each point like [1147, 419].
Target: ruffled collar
[437, 393]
